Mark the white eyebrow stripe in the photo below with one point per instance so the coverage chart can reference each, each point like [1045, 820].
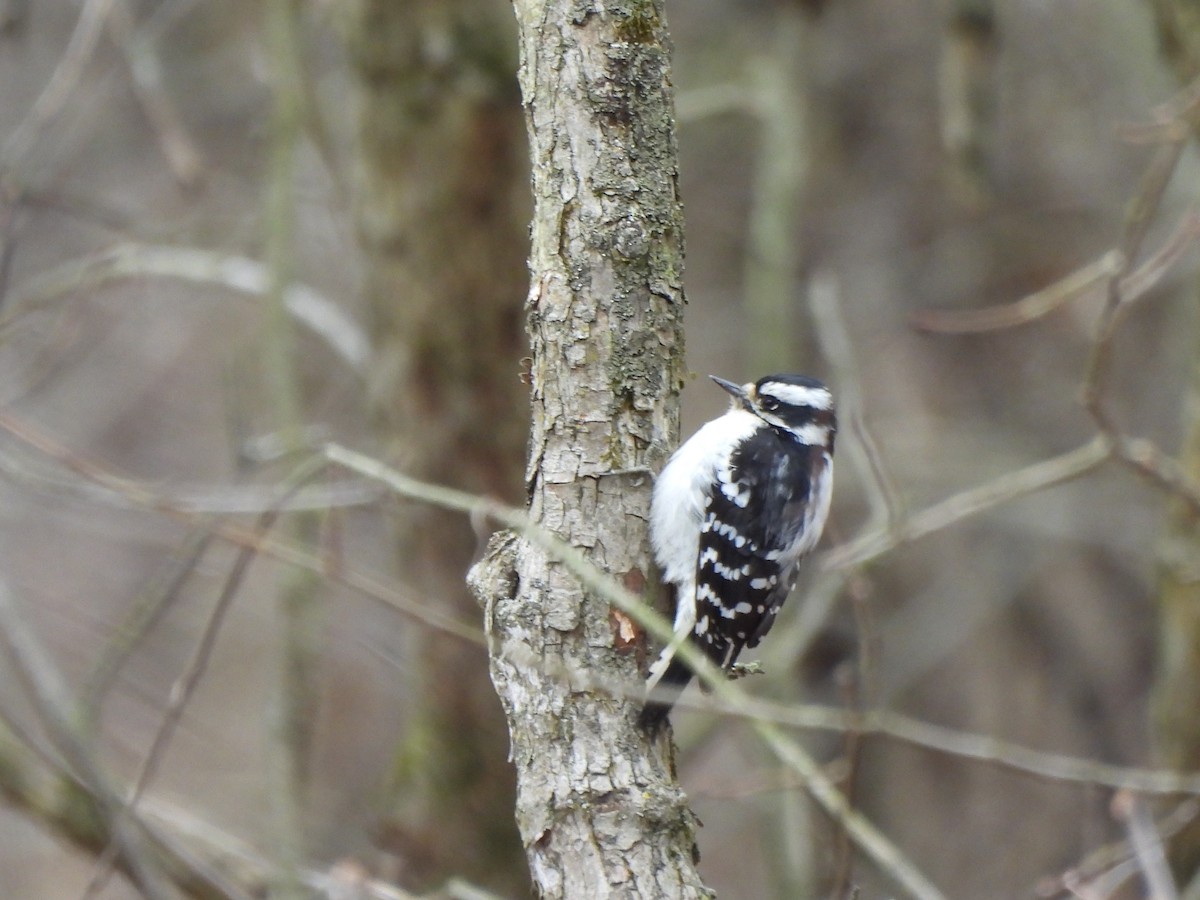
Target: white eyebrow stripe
[799, 395]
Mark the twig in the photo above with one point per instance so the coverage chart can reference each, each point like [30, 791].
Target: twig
[1114, 857]
[145, 70]
[1030, 479]
[966, 745]
[1141, 455]
[425, 610]
[196, 500]
[1147, 846]
[1170, 121]
[228, 852]
[1142, 209]
[146, 611]
[1091, 277]
[1137, 283]
[852, 745]
[869, 839]
[62, 83]
[48, 694]
[1103, 886]
[834, 338]
[185, 686]
[237, 273]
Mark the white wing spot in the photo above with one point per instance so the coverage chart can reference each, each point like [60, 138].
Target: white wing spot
[727, 573]
[738, 494]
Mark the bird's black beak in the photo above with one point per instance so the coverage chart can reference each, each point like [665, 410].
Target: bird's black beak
[737, 390]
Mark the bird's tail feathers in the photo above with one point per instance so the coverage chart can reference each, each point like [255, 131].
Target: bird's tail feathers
[668, 677]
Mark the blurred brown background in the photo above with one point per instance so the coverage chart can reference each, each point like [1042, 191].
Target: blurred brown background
[845, 165]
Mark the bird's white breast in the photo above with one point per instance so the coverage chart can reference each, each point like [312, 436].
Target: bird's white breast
[677, 506]
[818, 509]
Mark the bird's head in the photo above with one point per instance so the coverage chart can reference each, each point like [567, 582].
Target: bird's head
[797, 404]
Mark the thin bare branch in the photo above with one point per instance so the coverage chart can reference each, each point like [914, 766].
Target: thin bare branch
[1107, 858]
[424, 610]
[1143, 208]
[185, 686]
[1084, 281]
[834, 337]
[1053, 766]
[869, 839]
[1141, 280]
[62, 83]
[236, 273]
[227, 852]
[146, 611]
[1139, 454]
[959, 744]
[1147, 846]
[1169, 121]
[199, 500]
[47, 692]
[182, 154]
[1028, 480]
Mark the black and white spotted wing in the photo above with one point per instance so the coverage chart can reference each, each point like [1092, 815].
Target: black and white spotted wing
[765, 501]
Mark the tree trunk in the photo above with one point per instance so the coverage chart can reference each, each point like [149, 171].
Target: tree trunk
[442, 212]
[597, 806]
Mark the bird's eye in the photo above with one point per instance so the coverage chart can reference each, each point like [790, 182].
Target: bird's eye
[770, 404]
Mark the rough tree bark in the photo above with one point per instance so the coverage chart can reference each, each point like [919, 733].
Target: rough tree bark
[597, 807]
